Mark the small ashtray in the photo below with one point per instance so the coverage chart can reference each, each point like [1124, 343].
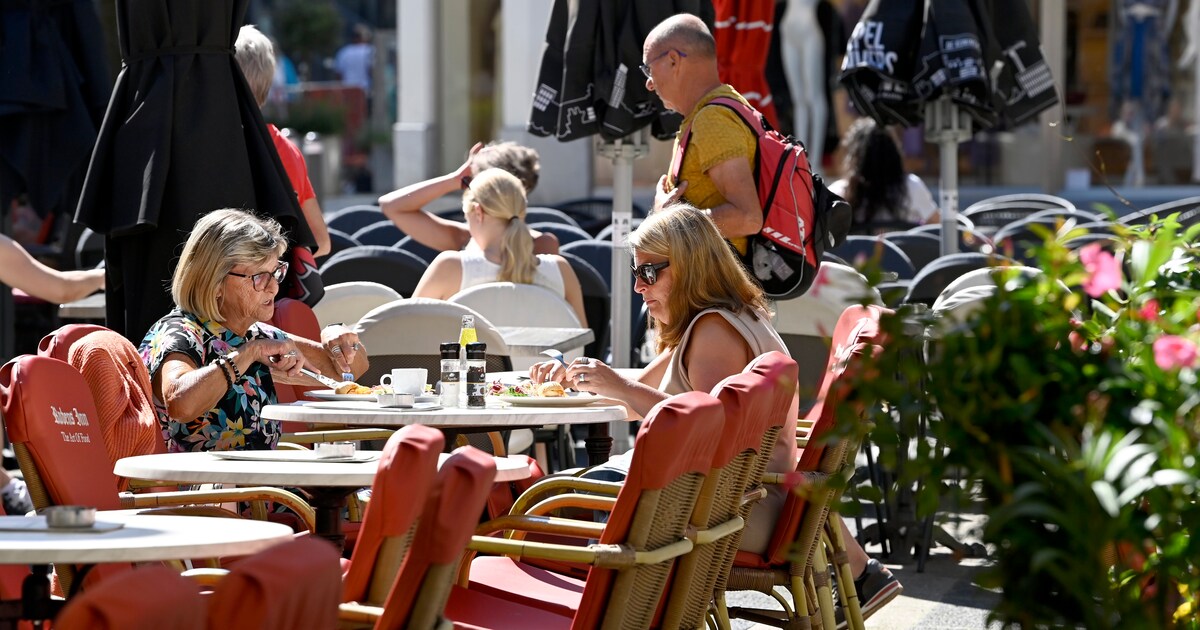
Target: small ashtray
[395, 400]
[79, 516]
[335, 449]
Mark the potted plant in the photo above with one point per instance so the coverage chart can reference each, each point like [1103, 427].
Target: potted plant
[1071, 399]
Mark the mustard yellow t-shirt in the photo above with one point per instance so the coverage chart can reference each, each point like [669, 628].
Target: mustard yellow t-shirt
[718, 134]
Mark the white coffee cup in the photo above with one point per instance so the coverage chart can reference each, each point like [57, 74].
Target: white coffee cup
[405, 381]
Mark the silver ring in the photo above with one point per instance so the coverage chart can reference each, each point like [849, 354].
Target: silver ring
[581, 378]
[337, 349]
[290, 353]
[356, 346]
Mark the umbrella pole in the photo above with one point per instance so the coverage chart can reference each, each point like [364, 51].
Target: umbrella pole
[622, 152]
[947, 126]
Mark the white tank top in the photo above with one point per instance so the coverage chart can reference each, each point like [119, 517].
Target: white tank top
[479, 270]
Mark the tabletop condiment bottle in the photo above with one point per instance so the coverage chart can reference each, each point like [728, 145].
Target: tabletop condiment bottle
[476, 375]
[451, 373]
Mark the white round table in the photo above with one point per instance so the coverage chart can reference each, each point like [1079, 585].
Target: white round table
[497, 415]
[141, 538]
[328, 483]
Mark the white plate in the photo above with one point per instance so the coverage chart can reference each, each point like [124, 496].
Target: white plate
[329, 394]
[294, 455]
[572, 399]
[367, 405]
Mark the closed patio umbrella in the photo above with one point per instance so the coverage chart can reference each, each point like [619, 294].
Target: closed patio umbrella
[743, 34]
[54, 85]
[183, 136]
[955, 65]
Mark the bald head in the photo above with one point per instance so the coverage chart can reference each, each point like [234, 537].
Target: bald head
[685, 32]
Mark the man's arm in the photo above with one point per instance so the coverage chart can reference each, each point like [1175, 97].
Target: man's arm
[316, 225]
[741, 214]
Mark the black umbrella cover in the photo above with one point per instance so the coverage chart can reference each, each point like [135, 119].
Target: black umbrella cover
[880, 62]
[951, 59]
[1023, 86]
[54, 85]
[183, 136]
[589, 82]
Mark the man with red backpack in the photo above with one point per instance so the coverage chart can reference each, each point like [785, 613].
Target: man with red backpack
[715, 167]
[754, 182]
[717, 173]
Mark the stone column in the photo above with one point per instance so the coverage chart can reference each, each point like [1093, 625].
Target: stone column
[414, 135]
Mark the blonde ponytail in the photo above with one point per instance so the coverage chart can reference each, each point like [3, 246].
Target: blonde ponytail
[517, 262]
[501, 195]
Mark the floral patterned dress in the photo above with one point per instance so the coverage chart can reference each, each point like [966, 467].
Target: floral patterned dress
[233, 423]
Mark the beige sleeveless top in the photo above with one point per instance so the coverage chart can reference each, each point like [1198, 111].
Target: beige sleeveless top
[761, 337]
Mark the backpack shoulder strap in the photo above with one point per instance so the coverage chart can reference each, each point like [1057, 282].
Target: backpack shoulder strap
[750, 117]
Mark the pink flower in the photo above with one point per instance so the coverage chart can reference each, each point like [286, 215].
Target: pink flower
[1149, 310]
[1172, 352]
[1104, 272]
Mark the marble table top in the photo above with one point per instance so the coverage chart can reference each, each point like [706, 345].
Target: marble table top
[142, 538]
[497, 415]
[269, 471]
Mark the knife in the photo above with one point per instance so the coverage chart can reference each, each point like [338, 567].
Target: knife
[320, 378]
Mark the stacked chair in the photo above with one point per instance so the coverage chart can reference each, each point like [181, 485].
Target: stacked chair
[424, 578]
[346, 302]
[354, 218]
[795, 557]
[293, 585]
[384, 265]
[631, 566]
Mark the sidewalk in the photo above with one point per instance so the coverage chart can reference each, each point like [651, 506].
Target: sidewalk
[942, 598]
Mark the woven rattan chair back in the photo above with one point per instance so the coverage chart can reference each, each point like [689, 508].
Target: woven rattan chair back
[406, 471]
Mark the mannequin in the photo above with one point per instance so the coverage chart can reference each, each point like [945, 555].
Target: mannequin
[1191, 57]
[803, 53]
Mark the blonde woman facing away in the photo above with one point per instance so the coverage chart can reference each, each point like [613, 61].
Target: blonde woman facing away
[501, 248]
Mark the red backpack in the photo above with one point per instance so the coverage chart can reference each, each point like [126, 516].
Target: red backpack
[801, 218]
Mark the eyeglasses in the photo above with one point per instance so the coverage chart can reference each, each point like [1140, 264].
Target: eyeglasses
[646, 66]
[648, 272]
[259, 280]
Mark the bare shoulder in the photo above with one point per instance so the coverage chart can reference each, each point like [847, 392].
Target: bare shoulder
[714, 328]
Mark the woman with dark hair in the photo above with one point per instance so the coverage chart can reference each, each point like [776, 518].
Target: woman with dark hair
[875, 183]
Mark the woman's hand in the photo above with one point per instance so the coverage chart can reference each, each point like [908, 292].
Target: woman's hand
[465, 169]
[281, 355]
[548, 371]
[592, 375]
[342, 344]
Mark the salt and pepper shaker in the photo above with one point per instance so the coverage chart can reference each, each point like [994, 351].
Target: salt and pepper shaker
[451, 382]
[476, 375]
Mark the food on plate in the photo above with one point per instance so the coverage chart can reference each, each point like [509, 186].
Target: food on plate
[551, 389]
[352, 388]
[524, 388]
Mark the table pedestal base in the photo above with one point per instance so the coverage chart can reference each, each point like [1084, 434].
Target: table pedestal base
[328, 504]
[35, 604]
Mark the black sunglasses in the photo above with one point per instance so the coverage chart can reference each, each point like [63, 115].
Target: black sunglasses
[648, 272]
[259, 280]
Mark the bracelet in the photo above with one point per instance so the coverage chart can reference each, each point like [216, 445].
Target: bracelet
[237, 374]
[220, 363]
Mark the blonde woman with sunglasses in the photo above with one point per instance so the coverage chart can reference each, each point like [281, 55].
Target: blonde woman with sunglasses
[213, 361]
[501, 248]
[710, 321]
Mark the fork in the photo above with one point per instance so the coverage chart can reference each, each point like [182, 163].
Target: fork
[558, 356]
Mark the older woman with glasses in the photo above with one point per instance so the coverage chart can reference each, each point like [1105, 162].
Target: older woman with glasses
[213, 362]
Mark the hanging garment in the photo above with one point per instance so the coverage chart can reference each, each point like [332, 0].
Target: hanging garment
[1140, 70]
[743, 31]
